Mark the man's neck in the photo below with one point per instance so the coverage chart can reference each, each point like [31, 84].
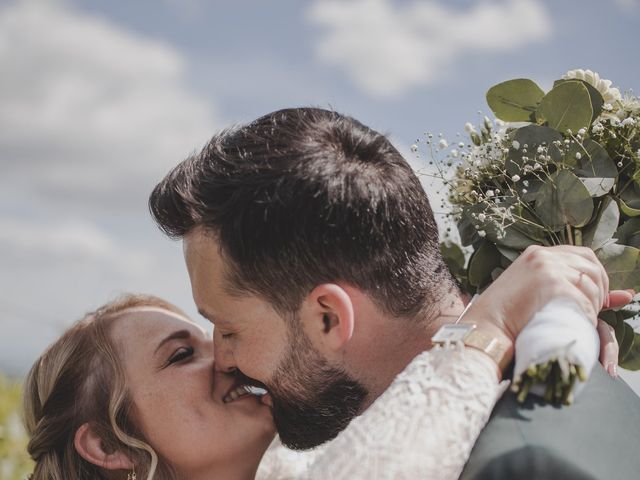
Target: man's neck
[394, 342]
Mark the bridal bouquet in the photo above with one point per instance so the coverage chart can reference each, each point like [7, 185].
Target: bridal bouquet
[556, 167]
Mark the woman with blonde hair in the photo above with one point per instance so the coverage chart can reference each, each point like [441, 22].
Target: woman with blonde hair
[135, 373]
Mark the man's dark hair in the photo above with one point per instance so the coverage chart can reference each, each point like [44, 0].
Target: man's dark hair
[305, 196]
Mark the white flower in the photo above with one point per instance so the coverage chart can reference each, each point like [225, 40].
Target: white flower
[597, 128]
[540, 149]
[525, 183]
[482, 217]
[490, 193]
[628, 121]
[620, 164]
[414, 148]
[524, 190]
[482, 233]
[454, 153]
[461, 145]
[469, 128]
[516, 145]
[610, 95]
[607, 107]
[582, 131]
[516, 178]
[442, 144]
[579, 156]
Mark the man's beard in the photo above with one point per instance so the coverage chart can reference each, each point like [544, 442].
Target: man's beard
[312, 400]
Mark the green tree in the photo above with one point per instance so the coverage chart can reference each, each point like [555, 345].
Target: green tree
[15, 463]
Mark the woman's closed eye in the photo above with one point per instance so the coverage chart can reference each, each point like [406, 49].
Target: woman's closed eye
[180, 355]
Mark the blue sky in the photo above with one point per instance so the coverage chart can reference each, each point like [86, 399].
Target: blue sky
[101, 98]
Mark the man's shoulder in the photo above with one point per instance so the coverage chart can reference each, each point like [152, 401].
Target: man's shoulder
[595, 438]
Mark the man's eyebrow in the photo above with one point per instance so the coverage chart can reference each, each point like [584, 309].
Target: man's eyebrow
[180, 334]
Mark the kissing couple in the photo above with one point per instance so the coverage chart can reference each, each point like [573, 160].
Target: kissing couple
[312, 248]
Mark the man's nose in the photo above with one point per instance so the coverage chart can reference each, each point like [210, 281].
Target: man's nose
[224, 361]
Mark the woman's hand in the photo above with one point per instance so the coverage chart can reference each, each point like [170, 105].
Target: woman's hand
[539, 275]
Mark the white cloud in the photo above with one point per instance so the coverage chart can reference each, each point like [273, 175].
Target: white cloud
[387, 49]
[86, 103]
[627, 5]
[91, 116]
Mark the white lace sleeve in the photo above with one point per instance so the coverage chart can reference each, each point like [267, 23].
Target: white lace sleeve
[422, 427]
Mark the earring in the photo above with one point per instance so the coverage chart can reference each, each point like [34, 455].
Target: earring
[132, 475]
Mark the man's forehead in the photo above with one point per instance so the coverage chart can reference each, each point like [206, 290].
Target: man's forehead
[202, 243]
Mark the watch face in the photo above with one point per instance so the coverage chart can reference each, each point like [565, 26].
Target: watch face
[453, 333]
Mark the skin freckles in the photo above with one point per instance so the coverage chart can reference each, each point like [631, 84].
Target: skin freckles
[169, 366]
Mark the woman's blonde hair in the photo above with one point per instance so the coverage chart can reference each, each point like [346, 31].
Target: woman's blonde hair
[79, 379]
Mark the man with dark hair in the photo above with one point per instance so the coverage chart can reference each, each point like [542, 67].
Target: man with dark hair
[312, 247]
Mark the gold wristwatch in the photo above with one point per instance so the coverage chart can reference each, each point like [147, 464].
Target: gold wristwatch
[473, 337]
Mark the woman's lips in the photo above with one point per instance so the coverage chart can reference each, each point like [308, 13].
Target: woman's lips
[266, 399]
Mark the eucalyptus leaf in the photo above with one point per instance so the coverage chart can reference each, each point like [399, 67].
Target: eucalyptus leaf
[483, 261]
[532, 136]
[453, 257]
[564, 200]
[629, 233]
[566, 107]
[510, 254]
[595, 167]
[515, 100]
[466, 229]
[604, 227]
[622, 264]
[630, 203]
[597, 102]
[515, 236]
[627, 341]
[631, 360]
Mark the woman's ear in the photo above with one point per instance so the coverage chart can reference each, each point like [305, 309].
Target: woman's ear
[329, 316]
[91, 447]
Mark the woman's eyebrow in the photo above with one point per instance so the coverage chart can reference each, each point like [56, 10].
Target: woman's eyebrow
[180, 334]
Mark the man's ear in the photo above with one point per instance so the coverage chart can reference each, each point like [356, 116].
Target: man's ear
[91, 447]
[329, 316]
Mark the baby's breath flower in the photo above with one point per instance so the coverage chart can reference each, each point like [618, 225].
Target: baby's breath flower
[524, 190]
[582, 132]
[579, 156]
[461, 145]
[482, 217]
[597, 128]
[516, 178]
[482, 233]
[620, 164]
[469, 128]
[628, 121]
[442, 144]
[454, 153]
[525, 183]
[414, 148]
[490, 193]
[607, 107]
[515, 144]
